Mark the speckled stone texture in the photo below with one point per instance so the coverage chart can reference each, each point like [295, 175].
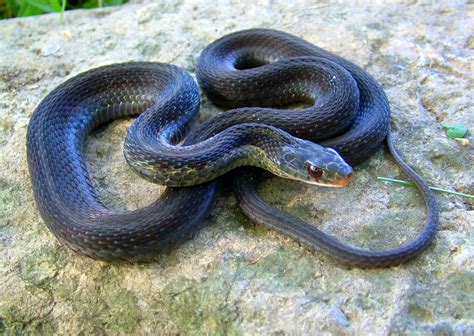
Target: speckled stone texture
[234, 277]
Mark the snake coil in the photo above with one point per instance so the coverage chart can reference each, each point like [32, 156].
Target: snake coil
[248, 71]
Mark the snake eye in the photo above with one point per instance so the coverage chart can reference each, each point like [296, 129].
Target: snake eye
[314, 171]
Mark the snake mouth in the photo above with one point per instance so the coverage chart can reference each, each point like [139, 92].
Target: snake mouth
[337, 182]
[343, 180]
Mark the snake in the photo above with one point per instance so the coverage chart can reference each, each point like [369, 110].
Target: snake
[291, 108]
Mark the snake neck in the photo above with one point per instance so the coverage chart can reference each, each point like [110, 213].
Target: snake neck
[161, 161]
[260, 146]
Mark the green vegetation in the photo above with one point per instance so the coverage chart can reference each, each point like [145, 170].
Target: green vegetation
[455, 130]
[411, 184]
[17, 8]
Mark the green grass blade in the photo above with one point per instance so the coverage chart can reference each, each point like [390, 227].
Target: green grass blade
[19, 8]
[411, 184]
[26, 9]
[44, 6]
[55, 5]
[63, 8]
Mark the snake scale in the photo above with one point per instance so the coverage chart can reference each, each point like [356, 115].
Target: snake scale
[251, 72]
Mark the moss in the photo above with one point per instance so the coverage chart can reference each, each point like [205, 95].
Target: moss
[211, 305]
[152, 47]
[419, 313]
[283, 270]
[13, 322]
[41, 266]
[120, 311]
[460, 294]
[16, 79]
[11, 196]
[273, 189]
[388, 229]
[101, 303]
[6, 126]
[450, 300]
[203, 307]
[64, 287]
[235, 219]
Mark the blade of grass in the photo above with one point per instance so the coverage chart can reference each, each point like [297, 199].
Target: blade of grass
[46, 6]
[411, 184]
[56, 5]
[19, 8]
[25, 9]
[63, 8]
[12, 8]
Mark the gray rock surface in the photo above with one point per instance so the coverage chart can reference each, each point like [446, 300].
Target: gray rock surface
[234, 277]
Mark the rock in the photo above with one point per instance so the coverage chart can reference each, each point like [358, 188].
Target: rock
[338, 317]
[234, 277]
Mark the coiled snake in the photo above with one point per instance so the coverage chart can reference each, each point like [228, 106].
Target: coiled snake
[249, 71]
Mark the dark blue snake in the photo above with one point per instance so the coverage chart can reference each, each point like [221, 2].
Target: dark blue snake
[252, 72]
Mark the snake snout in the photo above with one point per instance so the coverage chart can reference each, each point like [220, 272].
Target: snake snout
[342, 180]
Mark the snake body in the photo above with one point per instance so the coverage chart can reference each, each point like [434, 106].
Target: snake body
[249, 71]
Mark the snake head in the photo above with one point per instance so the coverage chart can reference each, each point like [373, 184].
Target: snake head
[314, 164]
